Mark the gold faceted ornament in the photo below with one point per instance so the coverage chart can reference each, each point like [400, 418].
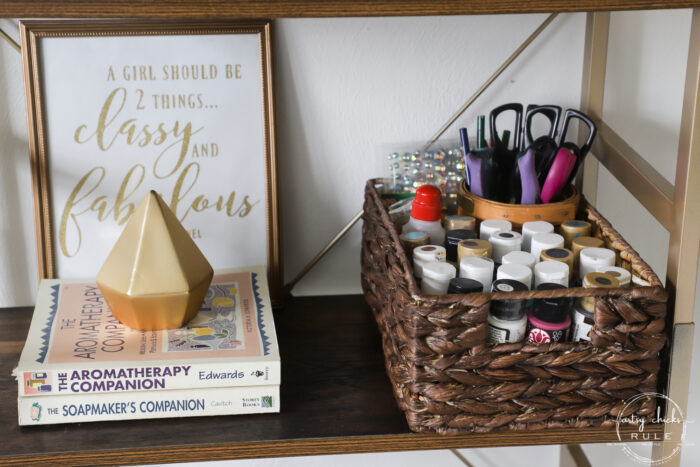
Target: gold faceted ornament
[155, 277]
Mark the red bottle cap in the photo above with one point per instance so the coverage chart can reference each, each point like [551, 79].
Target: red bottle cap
[428, 204]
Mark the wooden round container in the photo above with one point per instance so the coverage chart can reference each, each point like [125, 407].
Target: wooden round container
[468, 204]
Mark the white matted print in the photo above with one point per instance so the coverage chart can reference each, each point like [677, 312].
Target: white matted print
[117, 109]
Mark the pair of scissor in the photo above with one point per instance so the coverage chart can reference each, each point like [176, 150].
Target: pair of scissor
[505, 157]
[496, 172]
[544, 162]
[518, 166]
[515, 175]
[559, 169]
[535, 154]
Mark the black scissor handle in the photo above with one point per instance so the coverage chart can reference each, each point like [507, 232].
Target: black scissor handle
[551, 112]
[545, 150]
[518, 109]
[592, 129]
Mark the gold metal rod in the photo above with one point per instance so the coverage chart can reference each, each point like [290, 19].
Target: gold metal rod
[579, 457]
[10, 41]
[288, 288]
[684, 244]
[461, 457]
[683, 251]
[640, 178]
[489, 81]
[595, 59]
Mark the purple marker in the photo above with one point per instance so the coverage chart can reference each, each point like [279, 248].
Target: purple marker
[528, 178]
[474, 168]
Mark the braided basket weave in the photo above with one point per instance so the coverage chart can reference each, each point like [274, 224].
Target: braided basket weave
[448, 379]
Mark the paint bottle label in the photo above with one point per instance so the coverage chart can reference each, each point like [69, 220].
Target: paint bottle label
[581, 330]
[498, 335]
[543, 336]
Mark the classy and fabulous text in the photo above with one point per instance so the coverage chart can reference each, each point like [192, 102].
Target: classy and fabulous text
[169, 150]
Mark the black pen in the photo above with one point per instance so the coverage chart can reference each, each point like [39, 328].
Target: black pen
[465, 154]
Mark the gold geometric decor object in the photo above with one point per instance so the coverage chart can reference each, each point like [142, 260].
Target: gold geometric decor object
[155, 277]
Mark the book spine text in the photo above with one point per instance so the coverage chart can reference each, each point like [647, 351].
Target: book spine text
[146, 378]
[49, 410]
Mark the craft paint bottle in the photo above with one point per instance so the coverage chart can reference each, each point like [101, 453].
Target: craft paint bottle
[519, 257]
[426, 254]
[562, 255]
[479, 269]
[503, 243]
[583, 312]
[411, 240]
[426, 212]
[525, 259]
[531, 228]
[549, 320]
[579, 243]
[436, 278]
[474, 247]
[552, 272]
[573, 229]
[516, 272]
[623, 276]
[600, 280]
[400, 211]
[592, 259]
[460, 223]
[545, 241]
[491, 226]
[507, 320]
[639, 282]
[583, 321]
[452, 239]
[462, 285]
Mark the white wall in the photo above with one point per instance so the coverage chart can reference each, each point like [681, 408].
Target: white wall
[351, 90]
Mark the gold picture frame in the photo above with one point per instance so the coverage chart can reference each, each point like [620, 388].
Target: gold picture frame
[33, 35]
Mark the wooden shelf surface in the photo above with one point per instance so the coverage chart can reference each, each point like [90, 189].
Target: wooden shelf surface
[335, 399]
[246, 9]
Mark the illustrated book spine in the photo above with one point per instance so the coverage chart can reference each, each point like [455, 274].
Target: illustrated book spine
[77, 380]
[76, 346]
[49, 410]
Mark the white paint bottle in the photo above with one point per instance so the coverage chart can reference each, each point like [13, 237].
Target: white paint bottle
[491, 226]
[436, 278]
[507, 320]
[479, 269]
[592, 259]
[534, 227]
[503, 243]
[425, 254]
[516, 272]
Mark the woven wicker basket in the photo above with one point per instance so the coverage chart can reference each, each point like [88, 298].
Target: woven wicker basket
[448, 379]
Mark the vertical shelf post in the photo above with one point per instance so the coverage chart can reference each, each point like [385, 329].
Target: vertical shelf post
[683, 249]
[595, 55]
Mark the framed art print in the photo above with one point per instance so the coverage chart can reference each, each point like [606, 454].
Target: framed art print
[118, 108]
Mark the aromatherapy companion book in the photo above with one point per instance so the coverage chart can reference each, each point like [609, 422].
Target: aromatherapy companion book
[95, 407]
[76, 346]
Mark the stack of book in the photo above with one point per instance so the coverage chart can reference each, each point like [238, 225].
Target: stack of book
[80, 364]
